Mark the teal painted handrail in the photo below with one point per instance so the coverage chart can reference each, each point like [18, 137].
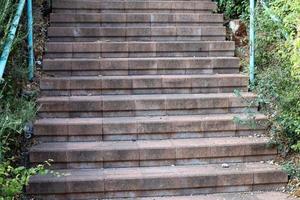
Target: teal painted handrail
[252, 41]
[30, 40]
[274, 18]
[11, 36]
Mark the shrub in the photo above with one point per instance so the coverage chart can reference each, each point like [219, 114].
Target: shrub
[277, 83]
[233, 9]
[16, 109]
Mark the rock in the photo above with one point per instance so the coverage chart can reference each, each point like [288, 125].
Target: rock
[234, 25]
[239, 32]
[225, 165]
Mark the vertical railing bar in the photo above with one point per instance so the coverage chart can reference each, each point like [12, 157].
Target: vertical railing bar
[252, 41]
[30, 40]
[10, 37]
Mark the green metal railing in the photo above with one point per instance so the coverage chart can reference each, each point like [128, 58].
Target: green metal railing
[11, 36]
[274, 18]
[252, 41]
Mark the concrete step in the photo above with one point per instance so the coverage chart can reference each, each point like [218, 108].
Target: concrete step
[148, 33]
[267, 195]
[81, 155]
[134, 19]
[145, 105]
[157, 181]
[107, 6]
[147, 128]
[139, 49]
[141, 66]
[144, 84]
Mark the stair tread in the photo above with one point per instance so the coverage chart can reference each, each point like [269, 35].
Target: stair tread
[137, 14]
[225, 196]
[143, 42]
[151, 144]
[147, 96]
[147, 76]
[117, 120]
[145, 82]
[144, 58]
[82, 175]
[71, 18]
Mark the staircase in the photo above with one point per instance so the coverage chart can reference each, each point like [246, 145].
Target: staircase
[137, 101]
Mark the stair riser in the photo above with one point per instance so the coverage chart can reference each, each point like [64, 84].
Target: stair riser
[141, 67]
[184, 192]
[97, 131]
[152, 153]
[184, 185]
[160, 103]
[134, 20]
[134, 38]
[74, 114]
[141, 54]
[147, 83]
[133, 24]
[92, 92]
[157, 163]
[133, 7]
[129, 137]
[137, 34]
[169, 105]
[135, 11]
[139, 49]
[88, 72]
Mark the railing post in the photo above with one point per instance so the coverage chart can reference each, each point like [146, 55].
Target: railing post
[30, 40]
[252, 41]
[10, 37]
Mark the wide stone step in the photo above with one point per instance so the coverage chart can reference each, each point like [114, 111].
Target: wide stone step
[147, 84]
[145, 105]
[142, 66]
[265, 195]
[68, 155]
[107, 6]
[147, 128]
[157, 181]
[134, 19]
[165, 33]
[139, 49]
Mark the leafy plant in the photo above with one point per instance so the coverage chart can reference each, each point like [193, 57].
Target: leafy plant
[233, 9]
[277, 83]
[292, 169]
[16, 109]
[13, 179]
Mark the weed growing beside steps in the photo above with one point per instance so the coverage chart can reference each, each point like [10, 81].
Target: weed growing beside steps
[17, 107]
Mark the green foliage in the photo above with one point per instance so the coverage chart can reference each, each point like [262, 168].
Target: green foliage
[15, 109]
[12, 179]
[296, 56]
[292, 169]
[234, 9]
[15, 113]
[277, 80]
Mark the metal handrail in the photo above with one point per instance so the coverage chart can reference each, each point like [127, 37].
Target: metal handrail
[274, 18]
[11, 36]
[252, 42]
